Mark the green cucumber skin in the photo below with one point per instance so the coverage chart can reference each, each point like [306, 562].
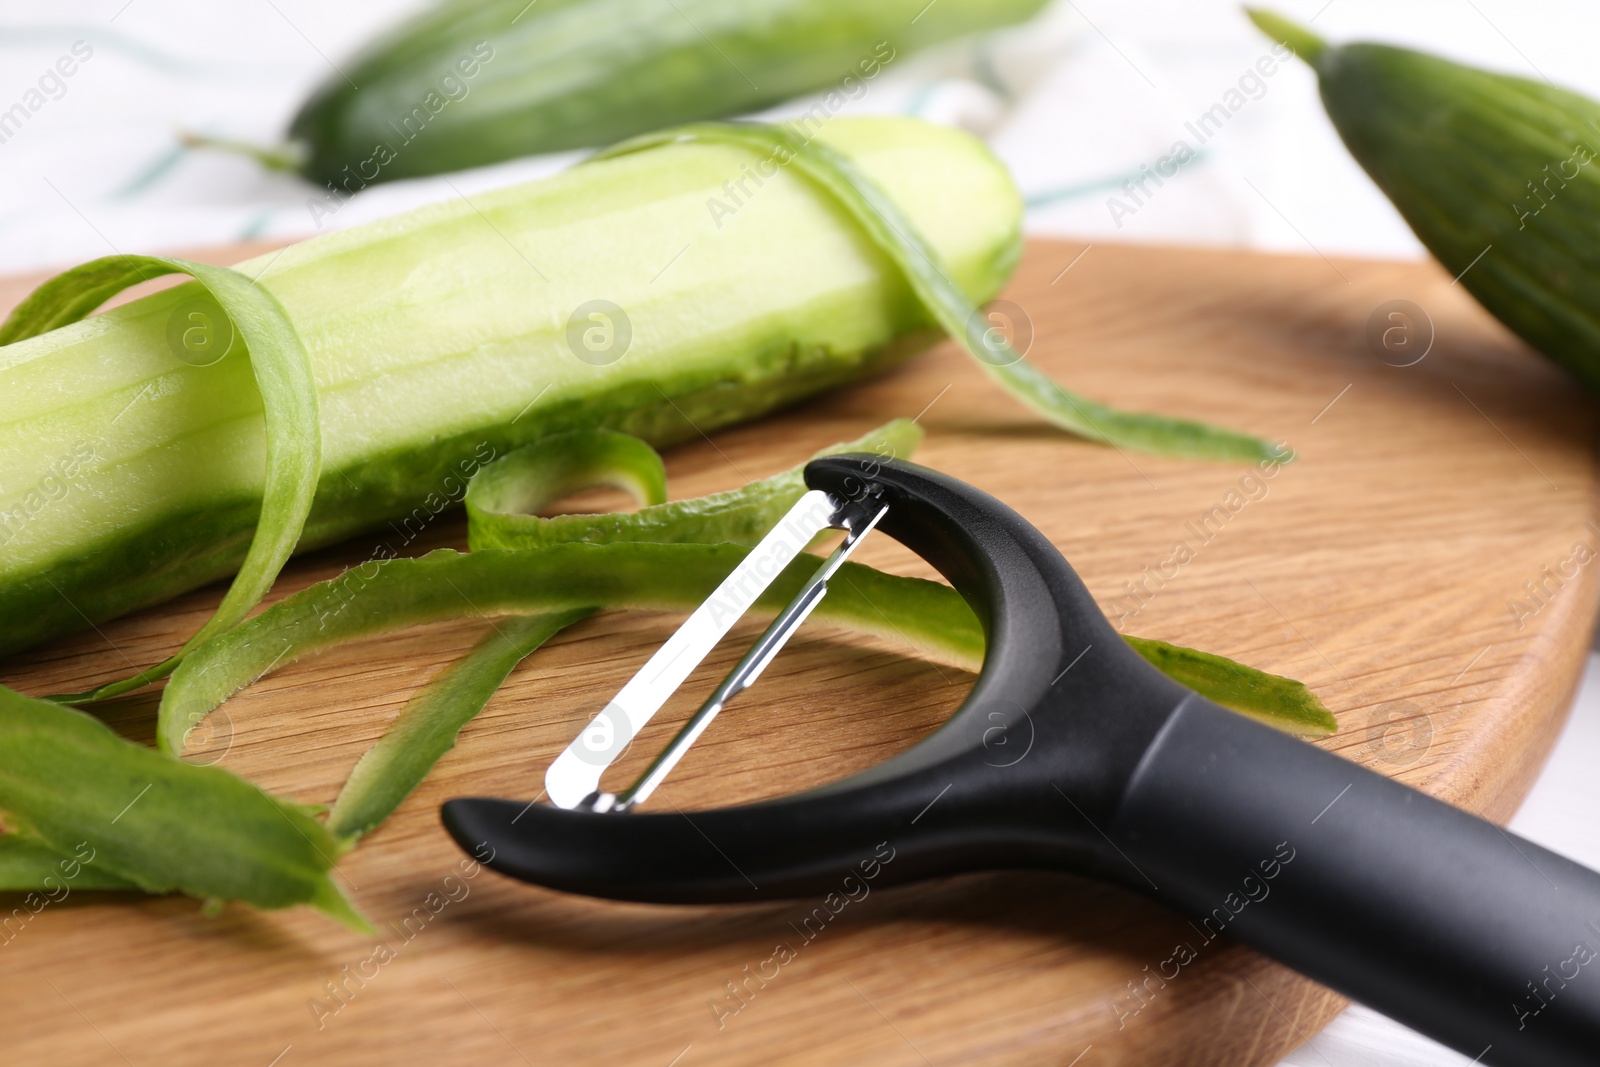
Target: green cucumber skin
[565, 74]
[1454, 148]
[435, 345]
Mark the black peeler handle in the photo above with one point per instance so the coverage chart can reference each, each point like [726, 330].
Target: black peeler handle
[1431, 915]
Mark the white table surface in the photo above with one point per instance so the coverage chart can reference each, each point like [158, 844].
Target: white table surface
[1074, 104]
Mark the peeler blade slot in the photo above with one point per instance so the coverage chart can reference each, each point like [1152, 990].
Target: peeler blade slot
[754, 661]
[573, 779]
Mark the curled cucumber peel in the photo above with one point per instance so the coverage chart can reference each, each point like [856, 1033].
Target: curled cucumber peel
[282, 372]
[882, 221]
[503, 495]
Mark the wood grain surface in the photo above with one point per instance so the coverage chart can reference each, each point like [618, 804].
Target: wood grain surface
[1382, 568]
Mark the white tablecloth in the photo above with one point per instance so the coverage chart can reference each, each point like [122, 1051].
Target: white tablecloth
[1076, 105]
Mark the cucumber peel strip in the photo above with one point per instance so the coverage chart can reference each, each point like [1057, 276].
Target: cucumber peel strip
[881, 219]
[445, 584]
[68, 783]
[428, 725]
[27, 864]
[282, 370]
[547, 573]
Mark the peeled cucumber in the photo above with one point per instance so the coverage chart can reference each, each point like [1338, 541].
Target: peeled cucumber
[478, 81]
[612, 295]
[1496, 174]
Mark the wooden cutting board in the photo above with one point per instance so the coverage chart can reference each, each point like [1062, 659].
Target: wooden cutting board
[1382, 568]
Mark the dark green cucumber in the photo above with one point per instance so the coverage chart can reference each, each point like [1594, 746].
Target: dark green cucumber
[1496, 174]
[480, 81]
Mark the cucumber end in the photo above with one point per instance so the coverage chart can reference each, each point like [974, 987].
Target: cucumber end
[1307, 45]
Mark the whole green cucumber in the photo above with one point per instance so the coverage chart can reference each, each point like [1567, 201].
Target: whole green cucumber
[606, 296]
[1495, 173]
[479, 81]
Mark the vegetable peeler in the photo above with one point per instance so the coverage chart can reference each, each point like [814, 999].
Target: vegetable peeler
[1445, 922]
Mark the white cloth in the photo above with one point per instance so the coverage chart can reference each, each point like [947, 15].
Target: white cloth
[1077, 105]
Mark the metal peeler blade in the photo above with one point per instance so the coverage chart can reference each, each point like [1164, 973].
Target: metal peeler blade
[573, 780]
